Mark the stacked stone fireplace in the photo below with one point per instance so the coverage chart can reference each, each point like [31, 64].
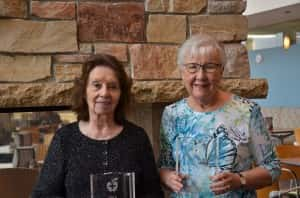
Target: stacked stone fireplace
[43, 44]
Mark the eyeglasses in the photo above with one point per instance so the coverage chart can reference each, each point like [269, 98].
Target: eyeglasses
[208, 67]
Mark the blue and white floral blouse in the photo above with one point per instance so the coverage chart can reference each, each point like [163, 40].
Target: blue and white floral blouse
[231, 138]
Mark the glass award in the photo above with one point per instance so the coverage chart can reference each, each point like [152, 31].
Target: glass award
[113, 185]
[185, 156]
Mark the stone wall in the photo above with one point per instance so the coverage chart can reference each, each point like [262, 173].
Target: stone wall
[43, 44]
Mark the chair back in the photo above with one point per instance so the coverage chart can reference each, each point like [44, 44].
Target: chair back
[269, 123]
[297, 136]
[264, 192]
[287, 151]
[283, 151]
[36, 137]
[42, 149]
[41, 152]
[48, 138]
[17, 182]
[25, 156]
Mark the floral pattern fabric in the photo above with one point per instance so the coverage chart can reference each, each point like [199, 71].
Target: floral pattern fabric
[199, 144]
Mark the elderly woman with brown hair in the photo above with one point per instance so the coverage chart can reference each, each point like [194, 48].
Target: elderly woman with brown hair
[211, 140]
[102, 140]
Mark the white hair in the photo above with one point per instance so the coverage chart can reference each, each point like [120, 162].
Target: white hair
[197, 44]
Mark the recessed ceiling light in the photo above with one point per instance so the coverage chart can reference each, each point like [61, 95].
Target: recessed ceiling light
[286, 42]
[261, 36]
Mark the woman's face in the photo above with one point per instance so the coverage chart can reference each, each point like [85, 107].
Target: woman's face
[202, 84]
[103, 91]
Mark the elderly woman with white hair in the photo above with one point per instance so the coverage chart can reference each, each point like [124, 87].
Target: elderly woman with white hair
[213, 142]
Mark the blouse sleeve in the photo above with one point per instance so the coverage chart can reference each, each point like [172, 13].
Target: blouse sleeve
[167, 133]
[151, 180]
[51, 179]
[261, 146]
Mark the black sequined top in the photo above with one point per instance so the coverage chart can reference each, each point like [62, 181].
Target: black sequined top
[72, 157]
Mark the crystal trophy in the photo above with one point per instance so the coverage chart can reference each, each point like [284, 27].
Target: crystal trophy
[186, 149]
[113, 185]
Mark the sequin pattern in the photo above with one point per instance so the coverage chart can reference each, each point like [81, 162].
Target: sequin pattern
[72, 157]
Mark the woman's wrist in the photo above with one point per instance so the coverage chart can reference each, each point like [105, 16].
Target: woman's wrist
[242, 179]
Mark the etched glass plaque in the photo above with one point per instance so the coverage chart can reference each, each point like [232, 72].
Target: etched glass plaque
[113, 185]
[188, 163]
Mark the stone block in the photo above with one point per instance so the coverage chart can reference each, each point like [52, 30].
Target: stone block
[166, 28]
[53, 10]
[59, 94]
[227, 28]
[14, 95]
[117, 50]
[37, 36]
[86, 48]
[226, 7]
[187, 6]
[175, 6]
[154, 61]
[15, 68]
[173, 90]
[13, 8]
[70, 58]
[156, 5]
[111, 22]
[67, 72]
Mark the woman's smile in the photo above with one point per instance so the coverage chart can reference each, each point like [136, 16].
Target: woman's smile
[101, 104]
[103, 92]
[200, 85]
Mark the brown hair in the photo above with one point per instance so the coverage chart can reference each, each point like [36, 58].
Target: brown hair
[79, 104]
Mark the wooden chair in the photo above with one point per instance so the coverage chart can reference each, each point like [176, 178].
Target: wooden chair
[25, 156]
[269, 122]
[283, 151]
[48, 138]
[17, 182]
[42, 149]
[41, 152]
[36, 137]
[264, 192]
[288, 151]
[297, 136]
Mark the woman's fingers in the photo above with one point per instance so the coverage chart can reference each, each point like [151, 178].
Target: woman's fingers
[220, 187]
[176, 182]
[221, 183]
[172, 180]
[220, 176]
[176, 186]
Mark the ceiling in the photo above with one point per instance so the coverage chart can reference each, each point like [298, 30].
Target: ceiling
[284, 19]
